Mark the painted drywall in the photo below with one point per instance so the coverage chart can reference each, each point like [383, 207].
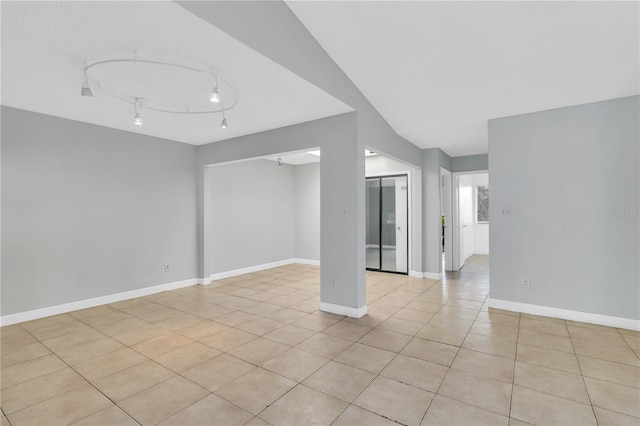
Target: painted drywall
[431, 216]
[307, 211]
[341, 197]
[89, 211]
[252, 214]
[469, 163]
[570, 179]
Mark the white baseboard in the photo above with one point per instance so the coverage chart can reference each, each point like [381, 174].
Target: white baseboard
[483, 252]
[432, 275]
[344, 310]
[547, 311]
[306, 262]
[416, 274]
[90, 303]
[255, 268]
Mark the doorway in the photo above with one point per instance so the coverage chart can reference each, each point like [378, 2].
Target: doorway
[387, 219]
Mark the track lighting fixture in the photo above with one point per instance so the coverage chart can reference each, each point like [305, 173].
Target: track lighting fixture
[221, 89]
[137, 120]
[279, 161]
[223, 125]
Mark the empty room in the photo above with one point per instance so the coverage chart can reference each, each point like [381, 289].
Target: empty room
[320, 213]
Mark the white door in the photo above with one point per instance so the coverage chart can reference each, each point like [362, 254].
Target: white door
[465, 203]
[401, 224]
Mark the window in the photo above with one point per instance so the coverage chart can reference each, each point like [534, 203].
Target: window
[483, 204]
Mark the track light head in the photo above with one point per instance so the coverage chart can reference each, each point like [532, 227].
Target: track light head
[215, 96]
[223, 125]
[86, 90]
[137, 120]
[279, 161]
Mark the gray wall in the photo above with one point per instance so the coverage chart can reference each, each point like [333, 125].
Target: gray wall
[570, 177]
[307, 211]
[469, 163]
[89, 211]
[252, 214]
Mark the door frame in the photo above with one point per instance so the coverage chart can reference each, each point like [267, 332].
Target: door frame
[406, 175]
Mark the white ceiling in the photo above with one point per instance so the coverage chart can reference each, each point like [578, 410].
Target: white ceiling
[437, 71]
[295, 158]
[45, 44]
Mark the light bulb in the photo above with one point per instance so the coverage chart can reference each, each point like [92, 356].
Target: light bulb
[224, 123]
[137, 120]
[86, 90]
[215, 96]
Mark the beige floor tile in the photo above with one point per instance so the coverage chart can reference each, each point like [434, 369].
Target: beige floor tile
[516, 422]
[262, 309]
[614, 397]
[103, 366]
[401, 326]
[27, 370]
[256, 390]
[14, 355]
[162, 400]
[122, 326]
[611, 418]
[540, 408]
[447, 411]
[112, 415]
[236, 318]
[65, 408]
[347, 330]
[427, 350]
[491, 366]
[474, 389]
[14, 336]
[356, 416]
[611, 335]
[228, 339]
[260, 326]
[179, 322]
[140, 334]
[496, 318]
[450, 335]
[290, 334]
[394, 400]
[295, 364]
[156, 347]
[59, 328]
[416, 372]
[491, 329]
[187, 356]
[413, 315]
[387, 340]
[610, 371]
[554, 382]
[423, 306]
[606, 351]
[259, 350]
[366, 357]
[303, 406]
[549, 341]
[202, 329]
[25, 394]
[218, 371]
[58, 344]
[287, 315]
[493, 345]
[324, 345]
[340, 380]
[210, 410]
[105, 318]
[550, 358]
[557, 327]
[128, 382]
[315, 322]
[89, 351]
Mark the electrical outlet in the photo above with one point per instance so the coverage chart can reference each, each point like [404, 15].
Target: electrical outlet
[167, 268]
[333, 283]
[526, 283]
[505, 211]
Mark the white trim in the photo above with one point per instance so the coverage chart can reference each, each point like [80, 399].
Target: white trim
[432, 275]
[344, 310]
[416, 274]
[306, 262]
[483, 252]
[548, 311]
[249, 269]
[90, 303]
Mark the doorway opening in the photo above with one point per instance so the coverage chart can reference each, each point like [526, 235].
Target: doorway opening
[387, 220]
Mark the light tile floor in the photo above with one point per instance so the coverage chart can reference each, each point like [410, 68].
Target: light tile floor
[255, 350]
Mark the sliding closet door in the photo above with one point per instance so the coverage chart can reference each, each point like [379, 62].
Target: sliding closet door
[387, 224]
[372, 200]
